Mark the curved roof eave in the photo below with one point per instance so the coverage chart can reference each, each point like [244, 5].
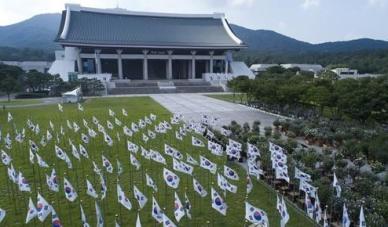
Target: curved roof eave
[80, 44]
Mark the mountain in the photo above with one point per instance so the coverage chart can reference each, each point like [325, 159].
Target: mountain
[39, 32]
[273, 42]
[269, 41]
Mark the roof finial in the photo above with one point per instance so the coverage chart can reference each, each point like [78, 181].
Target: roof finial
[117, 4]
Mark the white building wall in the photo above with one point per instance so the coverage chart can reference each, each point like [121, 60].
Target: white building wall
[65, 64]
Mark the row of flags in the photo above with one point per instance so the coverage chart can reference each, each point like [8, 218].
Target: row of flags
[233, 149]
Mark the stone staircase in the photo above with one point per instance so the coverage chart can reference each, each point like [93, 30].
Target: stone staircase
[161, 87]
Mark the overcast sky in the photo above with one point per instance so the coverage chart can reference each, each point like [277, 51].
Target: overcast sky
[308, 20]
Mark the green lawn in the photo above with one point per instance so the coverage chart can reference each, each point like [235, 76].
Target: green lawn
[17, 102]
[229, 97]
[15, 203]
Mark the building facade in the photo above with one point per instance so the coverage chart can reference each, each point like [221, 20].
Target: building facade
[131, 45]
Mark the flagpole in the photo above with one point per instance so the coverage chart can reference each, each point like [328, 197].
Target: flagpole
[68, 203]
[212, 211]
[121, 216]
[245, 220]
[40, 181]
[11, 197]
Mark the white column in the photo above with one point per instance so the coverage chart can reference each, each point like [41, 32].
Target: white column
[226, 66]
[98, 61]
[145, 65]
[120, 63]
[169, 66]
[193, 64]
[211, 61]
[79, 61]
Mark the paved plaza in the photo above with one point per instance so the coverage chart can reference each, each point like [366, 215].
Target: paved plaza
[192, 106]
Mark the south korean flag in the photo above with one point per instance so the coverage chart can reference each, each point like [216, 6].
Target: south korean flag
[76, 127]
[145, 138]
[151, 134]
[5, 158]
[282, 173]
[226, 132]
[134, 127]
[132, 147]
[179, 210]
[127, 131]
[108, 139]
[83, 151]
[152, 117]
[122, 198]
[214, 148]
[254, 170]
[84, 138]
[124, 112]
[142, 123]
[253, 151]
[191, 160]
[230, 173]
[151, 183]
[141, 198]
[147, 120]
[233, 152]
[218, 203]
[157, 213]
[134, 162]
[107, 164]
[70, 193]
[111, 113]
[178, 136]
[157, 157]
[52, 181]
[207, 164]
[199, 188]
[301, 175]
[95, 120]
[171, 179]
[197, 142]
[33, 146]
[256, 215]
[92, 133]
[118, 122]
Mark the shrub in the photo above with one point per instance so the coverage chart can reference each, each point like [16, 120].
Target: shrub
[28, 95]
[276, 123]
[291, 134]
[256, 127]
[268, 131]
[276, 135]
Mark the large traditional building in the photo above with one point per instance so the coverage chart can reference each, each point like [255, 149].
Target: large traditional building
[124, 45]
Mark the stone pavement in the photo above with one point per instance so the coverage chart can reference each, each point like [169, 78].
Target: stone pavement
[192, 106]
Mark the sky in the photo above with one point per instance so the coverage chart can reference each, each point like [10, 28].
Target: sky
[313, 21]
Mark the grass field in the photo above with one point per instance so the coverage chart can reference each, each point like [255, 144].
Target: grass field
[18, 102]
[229, 97]
[15, 202]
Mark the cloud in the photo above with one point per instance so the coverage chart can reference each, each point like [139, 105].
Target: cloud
[282, 25]
[241, 2]
[377, 3]
[307, 4]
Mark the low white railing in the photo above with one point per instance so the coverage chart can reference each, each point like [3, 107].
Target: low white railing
[103, 77]
[215, 77]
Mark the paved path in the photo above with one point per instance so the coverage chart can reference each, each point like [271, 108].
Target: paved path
[192, 106]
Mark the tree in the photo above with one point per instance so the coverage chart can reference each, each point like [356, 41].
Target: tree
[90, 87]
[9, 84]
[10, 79]
[328, 75]
[37, 81]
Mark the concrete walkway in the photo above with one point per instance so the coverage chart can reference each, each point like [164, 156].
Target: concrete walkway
[192, 106]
